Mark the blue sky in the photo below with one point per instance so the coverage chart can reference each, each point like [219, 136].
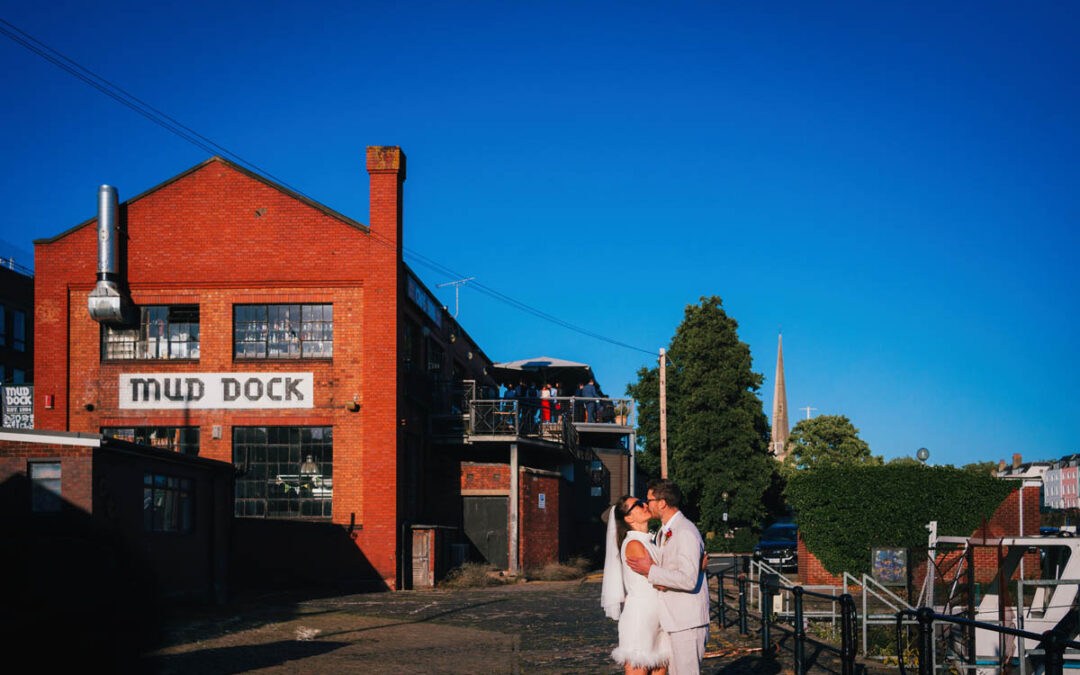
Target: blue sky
[893, 185]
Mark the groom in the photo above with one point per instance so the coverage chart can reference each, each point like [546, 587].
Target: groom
[684, 604]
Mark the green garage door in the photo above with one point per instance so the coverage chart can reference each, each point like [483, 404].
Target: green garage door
[487, 526]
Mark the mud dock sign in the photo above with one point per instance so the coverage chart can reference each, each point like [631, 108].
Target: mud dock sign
[188, 391]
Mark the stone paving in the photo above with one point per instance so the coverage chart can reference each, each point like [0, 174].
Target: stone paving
[552, 627]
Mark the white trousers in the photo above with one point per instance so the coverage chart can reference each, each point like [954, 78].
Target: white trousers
[687, 648]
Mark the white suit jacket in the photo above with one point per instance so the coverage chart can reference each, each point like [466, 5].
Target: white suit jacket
[685, 603]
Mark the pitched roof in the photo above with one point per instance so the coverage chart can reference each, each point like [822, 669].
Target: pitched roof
[232, 165]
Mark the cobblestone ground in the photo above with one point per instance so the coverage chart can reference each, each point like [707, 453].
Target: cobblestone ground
[555, 627]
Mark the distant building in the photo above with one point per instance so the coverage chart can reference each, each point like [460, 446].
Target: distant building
[16, 323]
[780, 428]
[1061, 484]
[1030, 471]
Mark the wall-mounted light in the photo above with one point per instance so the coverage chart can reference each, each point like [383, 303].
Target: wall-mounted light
[470, 355]
[453, 337]
[353, 405]
[89, 407]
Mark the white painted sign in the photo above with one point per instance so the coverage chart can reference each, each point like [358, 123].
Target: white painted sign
[18, 406]
[543, 500]
[201, 391]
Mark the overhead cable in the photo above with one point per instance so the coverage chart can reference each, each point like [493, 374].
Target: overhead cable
[170, 124]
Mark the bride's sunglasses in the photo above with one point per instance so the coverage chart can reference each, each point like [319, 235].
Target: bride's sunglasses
[637, 504]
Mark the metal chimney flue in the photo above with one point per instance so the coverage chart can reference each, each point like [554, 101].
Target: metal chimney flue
[107, 303]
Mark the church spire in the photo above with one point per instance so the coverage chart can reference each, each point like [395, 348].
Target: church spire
[780, 426]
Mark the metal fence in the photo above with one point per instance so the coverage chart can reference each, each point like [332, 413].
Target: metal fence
[768, 586]
[1049, 657]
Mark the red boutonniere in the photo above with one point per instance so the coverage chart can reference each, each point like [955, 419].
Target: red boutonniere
[667, 536]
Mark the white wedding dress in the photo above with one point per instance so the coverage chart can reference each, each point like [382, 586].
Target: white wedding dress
[642, 643]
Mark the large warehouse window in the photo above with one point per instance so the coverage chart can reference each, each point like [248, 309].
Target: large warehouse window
[164, 332]
[283, 331]
[284, 472]
[184, 440]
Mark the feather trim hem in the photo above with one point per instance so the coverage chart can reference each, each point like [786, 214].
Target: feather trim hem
[640, 659]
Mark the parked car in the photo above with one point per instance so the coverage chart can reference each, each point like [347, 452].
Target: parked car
[778, 546]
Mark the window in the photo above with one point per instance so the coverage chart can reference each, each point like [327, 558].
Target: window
[3, 326]
[164, 332]
[18, 330]
[44, 486]
[284, 472]
[410, 345]
[167, 503]
[184, 440]
[18, 376]
[283, 331]
[435, 357]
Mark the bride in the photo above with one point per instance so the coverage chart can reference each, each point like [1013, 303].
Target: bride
[644, 649]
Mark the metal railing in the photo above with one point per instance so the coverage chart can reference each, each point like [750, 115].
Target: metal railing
[1039, 604]
[599, 410]
[769, 585]
[1052, 643]
[873, 590]
[12, 265]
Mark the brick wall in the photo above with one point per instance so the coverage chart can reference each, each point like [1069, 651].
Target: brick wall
[217, 235]
[1005, 522]
[484, 476]
[539, 531]
[76, 474]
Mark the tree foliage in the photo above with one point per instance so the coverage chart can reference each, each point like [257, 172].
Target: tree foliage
[826, 440]
[845, 511]
[717, 431]
[905, 460]
[988, 468]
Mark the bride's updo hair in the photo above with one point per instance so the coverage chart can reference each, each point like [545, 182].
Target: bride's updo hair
[621, 528]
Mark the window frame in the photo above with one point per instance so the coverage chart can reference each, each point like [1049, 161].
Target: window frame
[39, 503]
[18, 330]
[170, 334]
[271, 481]
[178, 504]
[312, 325]
[189, 447]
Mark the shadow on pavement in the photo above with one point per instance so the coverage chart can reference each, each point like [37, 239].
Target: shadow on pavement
[748, 664]
[438, 615]
[239, 659]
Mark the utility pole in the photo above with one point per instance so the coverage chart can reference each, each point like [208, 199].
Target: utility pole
[807, 409]
[457, 290]
[663, 413]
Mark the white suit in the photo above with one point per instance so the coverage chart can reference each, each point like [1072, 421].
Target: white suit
[684, 606]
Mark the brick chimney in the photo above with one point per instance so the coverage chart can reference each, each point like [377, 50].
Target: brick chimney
[386, 166]
[1017, 460]
[1001, 465]
[384, 293]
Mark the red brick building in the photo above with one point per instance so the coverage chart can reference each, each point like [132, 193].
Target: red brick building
[255, 326]
[97, 533]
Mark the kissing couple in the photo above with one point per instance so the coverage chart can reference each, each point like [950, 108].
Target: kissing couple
[655, 587]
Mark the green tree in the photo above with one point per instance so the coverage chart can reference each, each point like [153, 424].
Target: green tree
[827, 440]
[988, 468]
[906, 460]
[717, 431]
